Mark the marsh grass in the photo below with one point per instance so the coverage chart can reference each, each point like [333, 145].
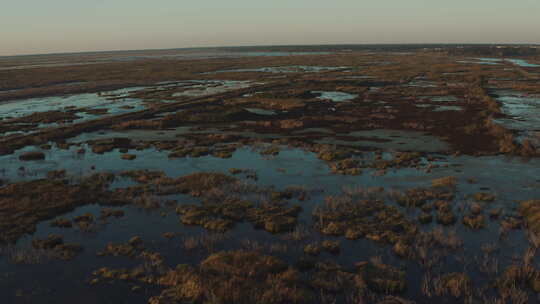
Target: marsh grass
[147, 201]
[430, 248]
[27, 256]
[449, 181]
[208, 242]
[299, 233]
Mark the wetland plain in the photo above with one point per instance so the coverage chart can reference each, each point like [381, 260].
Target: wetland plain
[331, 174]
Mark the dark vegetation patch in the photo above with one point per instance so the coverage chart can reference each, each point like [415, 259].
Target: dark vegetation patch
[25, 204]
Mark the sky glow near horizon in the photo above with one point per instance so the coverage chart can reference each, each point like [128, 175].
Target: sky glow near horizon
[34, 26]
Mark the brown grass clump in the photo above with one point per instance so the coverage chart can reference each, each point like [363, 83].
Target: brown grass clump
[243, 264]
[128, 156]
[507, 141]
[449, 181]
[372, 219]
[269, 103]
[57, 248]
[474, 221]
[248, 276]
[519, 276]
[131, 248]
[421, 197]
[208, 114]
[383, 278]
[455, 284]
[235, 277]
[198, 183]
[531, 212]
[27, 256]
[484, 197]
[273, 217]
[195, 184]
[24, 204]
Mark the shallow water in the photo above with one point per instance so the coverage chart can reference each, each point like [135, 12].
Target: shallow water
[261, 111]
[394, 140]
[447, 108]
[444, 99]
[112, 100]
[483, 61]
[290, 167]
[487, 59]
[525, 111]
[143, 135]
[523, 63]
[335, 96]
[438, 108]
[283, 69]
[422, 84]
[298, 165]
[209, 87]
[498, 61]
[115, 102]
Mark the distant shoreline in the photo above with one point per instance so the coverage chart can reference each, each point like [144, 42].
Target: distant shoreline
[314, 47]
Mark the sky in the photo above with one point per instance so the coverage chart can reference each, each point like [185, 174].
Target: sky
[51, 26]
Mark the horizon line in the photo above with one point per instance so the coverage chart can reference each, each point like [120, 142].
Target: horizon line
[272, 45]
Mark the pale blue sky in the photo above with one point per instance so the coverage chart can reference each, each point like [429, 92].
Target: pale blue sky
[44, 26]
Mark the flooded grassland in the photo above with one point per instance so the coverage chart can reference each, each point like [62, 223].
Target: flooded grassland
[325, 177]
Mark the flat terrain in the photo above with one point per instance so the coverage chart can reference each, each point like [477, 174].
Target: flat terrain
[337, 174]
